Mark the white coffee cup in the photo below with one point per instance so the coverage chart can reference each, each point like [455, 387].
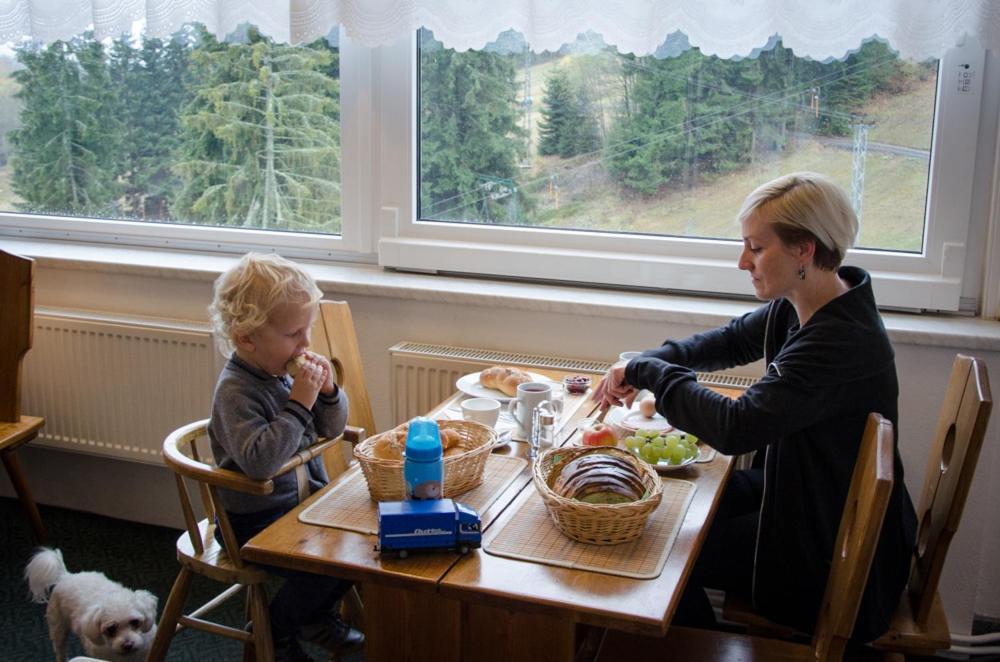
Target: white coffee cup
[529, 395]
[481, 410]
[628, 356]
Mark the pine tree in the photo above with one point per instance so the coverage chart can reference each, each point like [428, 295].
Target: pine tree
[470, 141]
[150, 89]
[568, 126]
[64, 151]
[260, 144]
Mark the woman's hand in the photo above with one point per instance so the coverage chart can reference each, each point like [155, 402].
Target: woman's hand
[613, 390]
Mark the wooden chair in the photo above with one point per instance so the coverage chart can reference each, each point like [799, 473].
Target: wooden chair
[919, 626]
[17, 301]
[199, 553]
[860, 525]
[333, 336]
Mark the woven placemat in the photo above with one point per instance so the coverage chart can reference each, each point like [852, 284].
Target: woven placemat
[348, 505]
[530, 535]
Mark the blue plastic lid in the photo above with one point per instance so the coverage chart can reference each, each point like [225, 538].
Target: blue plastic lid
[423, 440]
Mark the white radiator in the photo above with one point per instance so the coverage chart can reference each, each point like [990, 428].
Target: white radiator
[116, 386]
[422, 374]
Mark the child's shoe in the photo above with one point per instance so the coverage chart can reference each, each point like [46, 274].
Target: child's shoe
[335, 635]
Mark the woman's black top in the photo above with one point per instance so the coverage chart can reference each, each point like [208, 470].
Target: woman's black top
[806, 414]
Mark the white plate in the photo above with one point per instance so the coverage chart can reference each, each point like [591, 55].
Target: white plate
[663, 467]
[469, 384]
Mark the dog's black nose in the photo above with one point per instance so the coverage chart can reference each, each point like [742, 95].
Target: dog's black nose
[127, 646]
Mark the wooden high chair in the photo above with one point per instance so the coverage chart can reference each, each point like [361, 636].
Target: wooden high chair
[860, 526]
[198, 551]
[334, 337]
[17, 303]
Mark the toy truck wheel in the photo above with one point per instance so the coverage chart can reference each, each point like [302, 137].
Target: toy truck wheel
[403, 553]
[464, 549]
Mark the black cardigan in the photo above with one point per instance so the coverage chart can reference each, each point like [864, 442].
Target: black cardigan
[807, 413]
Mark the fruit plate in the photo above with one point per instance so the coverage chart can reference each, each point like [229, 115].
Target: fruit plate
[663, 467]
[469, 384]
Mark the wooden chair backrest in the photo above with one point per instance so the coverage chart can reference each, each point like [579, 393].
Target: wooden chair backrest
[951, 464]
[857, 538]
[182, 455]
[333, 336]
[17, 303]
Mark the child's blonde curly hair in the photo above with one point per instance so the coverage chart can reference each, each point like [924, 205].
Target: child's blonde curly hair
[250, 290]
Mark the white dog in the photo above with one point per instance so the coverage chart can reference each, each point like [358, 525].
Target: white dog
[112, 622]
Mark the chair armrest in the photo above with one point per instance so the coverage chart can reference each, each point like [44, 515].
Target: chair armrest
[350, 434]
[199, 471]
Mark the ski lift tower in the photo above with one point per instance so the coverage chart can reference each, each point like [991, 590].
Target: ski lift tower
[860, 126]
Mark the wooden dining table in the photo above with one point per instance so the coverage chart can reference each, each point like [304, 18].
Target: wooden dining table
[446, 607]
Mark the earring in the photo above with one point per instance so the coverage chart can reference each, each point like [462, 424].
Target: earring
[802, 272]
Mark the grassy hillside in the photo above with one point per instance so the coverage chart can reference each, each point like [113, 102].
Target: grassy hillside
[892, 206]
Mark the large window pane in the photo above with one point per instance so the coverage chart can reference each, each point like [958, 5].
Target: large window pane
[669, 144]
[243, 133]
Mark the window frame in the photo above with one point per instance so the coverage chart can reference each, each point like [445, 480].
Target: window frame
[379, 201]
[353, 244]
[930, 279]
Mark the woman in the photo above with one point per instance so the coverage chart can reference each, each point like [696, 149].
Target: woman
[828, 364]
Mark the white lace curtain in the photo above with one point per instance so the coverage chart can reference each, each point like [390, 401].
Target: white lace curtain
[918, 29]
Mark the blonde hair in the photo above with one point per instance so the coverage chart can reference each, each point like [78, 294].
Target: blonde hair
[247, 294]
[803, 206]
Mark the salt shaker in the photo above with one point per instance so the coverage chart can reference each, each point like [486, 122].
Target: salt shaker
[543, 423]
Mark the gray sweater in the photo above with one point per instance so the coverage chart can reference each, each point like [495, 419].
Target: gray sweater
[255, 429]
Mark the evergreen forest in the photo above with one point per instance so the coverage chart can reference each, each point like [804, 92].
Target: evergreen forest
[247, 134]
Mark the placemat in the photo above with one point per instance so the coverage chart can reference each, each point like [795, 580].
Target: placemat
[348, 505]
[530, 535]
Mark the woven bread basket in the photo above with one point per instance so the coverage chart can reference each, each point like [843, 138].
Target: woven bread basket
[597, 523]
[462, 472]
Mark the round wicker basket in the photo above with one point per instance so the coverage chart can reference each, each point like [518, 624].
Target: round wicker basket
[596, 523]
[462, 472]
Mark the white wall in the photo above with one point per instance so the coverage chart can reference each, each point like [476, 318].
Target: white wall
[971, 582]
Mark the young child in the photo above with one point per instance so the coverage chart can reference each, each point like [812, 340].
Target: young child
[262, 313]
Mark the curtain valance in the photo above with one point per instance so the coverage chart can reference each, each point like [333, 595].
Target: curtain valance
[918, 29]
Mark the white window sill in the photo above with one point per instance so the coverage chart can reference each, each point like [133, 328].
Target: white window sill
[956, 332]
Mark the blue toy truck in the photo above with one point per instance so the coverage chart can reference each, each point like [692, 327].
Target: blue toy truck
[432, 524]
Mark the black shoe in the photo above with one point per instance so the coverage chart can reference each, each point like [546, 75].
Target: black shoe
[334, 636]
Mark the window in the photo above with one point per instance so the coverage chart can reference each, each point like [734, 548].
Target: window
[171, 140]
[588, 165]
[584, 165]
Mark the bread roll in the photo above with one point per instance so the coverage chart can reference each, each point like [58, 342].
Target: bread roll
[450, 438]
[503, 379]
[388, 447]
[292, 367]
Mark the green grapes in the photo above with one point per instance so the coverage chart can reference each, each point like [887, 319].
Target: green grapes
[657, 447]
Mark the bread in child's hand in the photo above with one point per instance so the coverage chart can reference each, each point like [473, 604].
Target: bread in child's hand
[292, 367]
[503, 379]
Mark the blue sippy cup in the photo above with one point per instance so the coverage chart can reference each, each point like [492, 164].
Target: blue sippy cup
[423, 468]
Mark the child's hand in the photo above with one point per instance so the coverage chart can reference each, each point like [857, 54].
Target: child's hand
[329, 373]
[308, 382]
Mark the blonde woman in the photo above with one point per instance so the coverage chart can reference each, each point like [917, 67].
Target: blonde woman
[828, 364]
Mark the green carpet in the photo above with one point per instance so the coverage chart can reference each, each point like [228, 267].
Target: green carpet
[136, 555]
